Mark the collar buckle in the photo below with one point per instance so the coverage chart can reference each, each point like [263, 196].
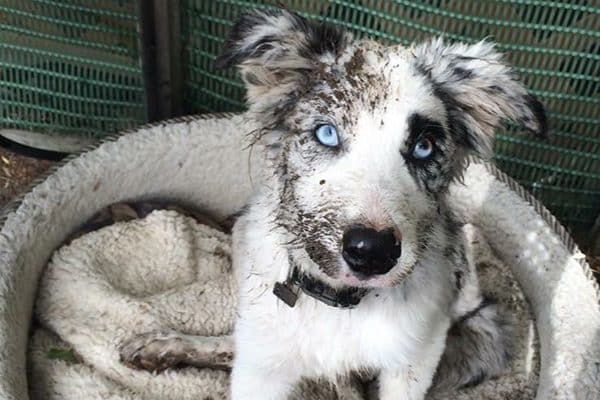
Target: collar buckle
[286, 293]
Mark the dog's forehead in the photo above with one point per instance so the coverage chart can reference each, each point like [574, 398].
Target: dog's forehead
[367, 87]
[375, 81]
[370, 65]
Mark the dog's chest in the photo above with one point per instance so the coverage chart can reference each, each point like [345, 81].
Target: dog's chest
[387, 328]
[323, 340]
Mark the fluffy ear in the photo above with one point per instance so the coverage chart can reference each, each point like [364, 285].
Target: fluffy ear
[277, 51]
[479, 91]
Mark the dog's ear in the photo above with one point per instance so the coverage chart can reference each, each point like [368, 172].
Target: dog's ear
[277, 51]
[479, 91]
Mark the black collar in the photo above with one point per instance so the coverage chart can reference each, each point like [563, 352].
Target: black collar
[348, 297]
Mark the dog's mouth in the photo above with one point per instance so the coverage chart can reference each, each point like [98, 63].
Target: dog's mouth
[356, 279]
[341, 269]
[337, 273]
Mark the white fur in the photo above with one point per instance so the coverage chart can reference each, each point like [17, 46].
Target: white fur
[277, 345]
[399, 328]
[383, 102]
[401, 334]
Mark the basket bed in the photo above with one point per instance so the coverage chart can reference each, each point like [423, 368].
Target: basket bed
[214, 172]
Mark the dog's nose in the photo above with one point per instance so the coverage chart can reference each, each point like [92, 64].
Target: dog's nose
[370, 252]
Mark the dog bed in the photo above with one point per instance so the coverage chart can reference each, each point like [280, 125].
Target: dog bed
[169, 272]
[201, 162]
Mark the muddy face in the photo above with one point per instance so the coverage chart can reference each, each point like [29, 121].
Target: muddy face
[365, 139]
[360, 205]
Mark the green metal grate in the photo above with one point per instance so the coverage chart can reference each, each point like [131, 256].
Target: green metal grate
[70, 67]
[554, 45]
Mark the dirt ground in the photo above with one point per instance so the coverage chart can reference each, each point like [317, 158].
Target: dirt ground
[18, 171]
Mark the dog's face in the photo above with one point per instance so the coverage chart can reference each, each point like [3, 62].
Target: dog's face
[365, 139]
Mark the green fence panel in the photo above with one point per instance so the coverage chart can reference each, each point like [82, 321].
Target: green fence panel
[554, 45]
[70, 67]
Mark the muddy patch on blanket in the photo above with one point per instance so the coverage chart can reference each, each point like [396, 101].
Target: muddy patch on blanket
[138, 275]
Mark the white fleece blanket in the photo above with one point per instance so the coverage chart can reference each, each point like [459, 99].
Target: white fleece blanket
[168, 271]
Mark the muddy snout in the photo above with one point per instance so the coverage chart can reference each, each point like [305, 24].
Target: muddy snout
[371, 252]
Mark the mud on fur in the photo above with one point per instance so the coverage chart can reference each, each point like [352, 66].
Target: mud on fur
[363, 142]
[400, 126]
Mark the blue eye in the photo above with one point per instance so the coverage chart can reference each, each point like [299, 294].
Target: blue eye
[423, 149]
[327, 135]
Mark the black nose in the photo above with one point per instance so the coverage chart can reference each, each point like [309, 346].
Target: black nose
[370, 252]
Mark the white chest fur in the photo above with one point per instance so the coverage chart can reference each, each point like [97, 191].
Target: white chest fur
[390, 328]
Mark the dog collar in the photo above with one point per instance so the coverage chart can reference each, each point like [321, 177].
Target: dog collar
[348, 297]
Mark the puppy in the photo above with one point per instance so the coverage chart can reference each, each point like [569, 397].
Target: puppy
[348, 258]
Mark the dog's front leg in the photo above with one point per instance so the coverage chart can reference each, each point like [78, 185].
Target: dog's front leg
[159, 350]
[413, 381]
[253, 381]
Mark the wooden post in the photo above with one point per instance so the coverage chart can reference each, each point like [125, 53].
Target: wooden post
[161, 55]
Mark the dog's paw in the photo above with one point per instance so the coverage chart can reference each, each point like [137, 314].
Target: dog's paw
[153, 351]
